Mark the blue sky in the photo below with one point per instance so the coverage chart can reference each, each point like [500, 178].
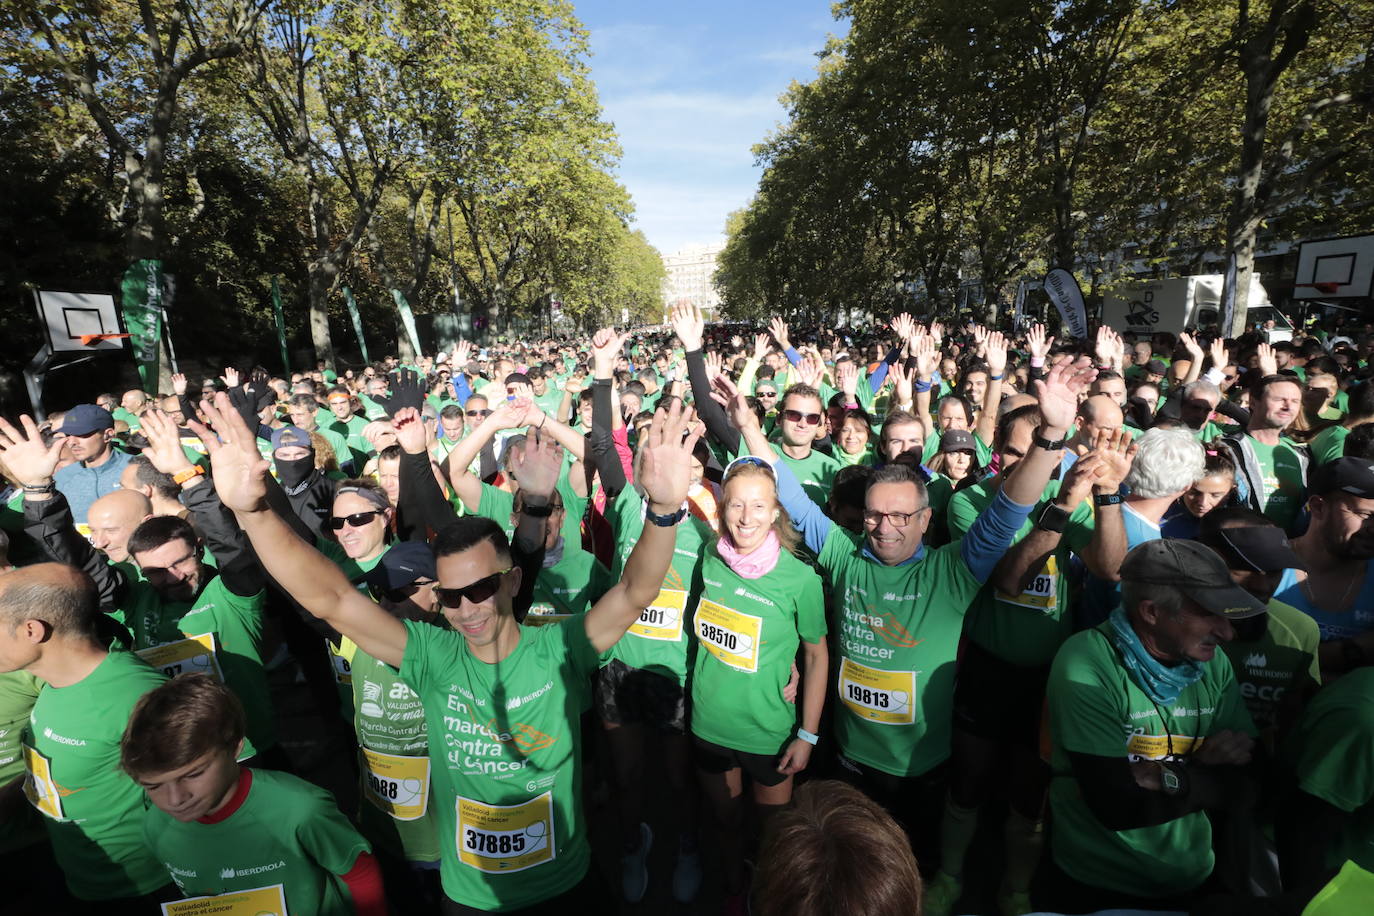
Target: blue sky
[691, 87]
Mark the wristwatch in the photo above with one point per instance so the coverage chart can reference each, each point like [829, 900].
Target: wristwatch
[542, 511]
[1053, 518]
[1106, 499]
[663, 521]
[1173, 781]
[1049, 445]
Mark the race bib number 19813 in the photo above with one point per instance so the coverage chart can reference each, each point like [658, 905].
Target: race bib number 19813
[888, 697]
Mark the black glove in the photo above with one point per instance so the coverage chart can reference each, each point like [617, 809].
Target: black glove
[407, 390]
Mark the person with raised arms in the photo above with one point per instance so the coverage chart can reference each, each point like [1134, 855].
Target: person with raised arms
[502, 702]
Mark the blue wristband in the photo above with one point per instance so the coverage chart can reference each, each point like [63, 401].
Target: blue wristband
[807, 736]
[922, 387]
[995, 378]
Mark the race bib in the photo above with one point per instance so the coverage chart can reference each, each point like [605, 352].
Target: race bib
[663, 618]
[39, 785]
[1161, 747]
[729, 635]
[261, 901]
[887, 697]
[542, 613]
[397, 785]
[83, 529]
[1042, 592]
[506, 838]
[343, 670]
[195, 653]
[194, 444]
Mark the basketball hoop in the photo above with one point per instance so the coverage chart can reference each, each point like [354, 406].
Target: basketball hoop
[88, 339]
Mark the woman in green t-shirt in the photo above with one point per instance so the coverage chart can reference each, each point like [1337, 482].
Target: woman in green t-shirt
[854, 438]
[758, 604]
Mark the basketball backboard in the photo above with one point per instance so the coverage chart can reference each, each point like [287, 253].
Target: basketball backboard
[1340, 268]
[70, 317]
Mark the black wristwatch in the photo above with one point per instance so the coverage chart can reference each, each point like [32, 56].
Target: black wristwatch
[1049, 445]
[543, 511]
[1053, 518]
[1106, 499]
[1173, 780]
[663, 521]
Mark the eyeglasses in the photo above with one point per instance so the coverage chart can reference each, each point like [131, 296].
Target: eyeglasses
[765, 394]
[873, 518]
[396, 595]
[475, 593]
[478, 413]
[356, 520]
[796, 416]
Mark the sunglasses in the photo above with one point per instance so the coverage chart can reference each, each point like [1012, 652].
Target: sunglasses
[766, 394]
[796, 416]
[356, 520]
[747, 461]
[476, 593]
[396, 595]
[478, 413]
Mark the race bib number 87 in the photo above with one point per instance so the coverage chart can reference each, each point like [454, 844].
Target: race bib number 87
[729, 635]
[505, 838]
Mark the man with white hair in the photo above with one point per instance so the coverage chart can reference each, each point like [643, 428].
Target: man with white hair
[1166, 464]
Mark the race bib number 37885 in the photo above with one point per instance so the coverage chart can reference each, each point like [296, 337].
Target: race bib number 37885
[506, 838]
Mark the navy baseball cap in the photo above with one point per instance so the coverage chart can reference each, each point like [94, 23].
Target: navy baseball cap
[290, 435]
[84, 419]
[405, 563]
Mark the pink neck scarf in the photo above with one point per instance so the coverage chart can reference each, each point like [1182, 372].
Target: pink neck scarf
[753, 565]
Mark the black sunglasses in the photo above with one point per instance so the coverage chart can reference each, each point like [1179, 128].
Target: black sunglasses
[796, 416]
[478, 413]
[357, 519]
[475, 593]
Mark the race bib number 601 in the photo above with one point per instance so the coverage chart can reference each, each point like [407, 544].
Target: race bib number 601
[506, 838]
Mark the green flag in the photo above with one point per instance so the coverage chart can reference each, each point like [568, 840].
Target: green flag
[407, 319]
[141, 293]
[357, 322]
[281, 325]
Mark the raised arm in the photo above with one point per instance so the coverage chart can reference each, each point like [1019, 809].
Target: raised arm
[664, 475]
[315, 582]
[996, 355]
[689, 326]
[605, 418]
[507, 415]
[420, 502]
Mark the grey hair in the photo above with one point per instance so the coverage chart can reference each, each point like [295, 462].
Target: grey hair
[1201, 387]
[1168, 462]
[896, 472]
[1168, 598]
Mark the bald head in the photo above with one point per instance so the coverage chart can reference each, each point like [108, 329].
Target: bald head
[41, 604]
[113, 517]
[1099, 412]
[1013, 402]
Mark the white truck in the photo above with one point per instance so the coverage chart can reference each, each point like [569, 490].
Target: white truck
[1146, 306]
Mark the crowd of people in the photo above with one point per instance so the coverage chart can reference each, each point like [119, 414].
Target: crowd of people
[807, 609]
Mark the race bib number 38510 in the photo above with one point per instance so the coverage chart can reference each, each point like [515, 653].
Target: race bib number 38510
[506, 838]
[729, 635]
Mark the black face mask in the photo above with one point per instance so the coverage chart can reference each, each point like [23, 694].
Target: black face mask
[293, 471]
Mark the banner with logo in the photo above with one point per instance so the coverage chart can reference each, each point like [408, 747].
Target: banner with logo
[1228, 296]
[281, 325]
[1064, 292]
[141, 300]
[407, 319]
[357, 322]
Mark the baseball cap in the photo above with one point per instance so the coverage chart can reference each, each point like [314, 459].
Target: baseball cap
[1156, 366]
[84, 419]
[1348, 475]
[1261, 548]
[402, 565]
[956, 440]
[1196, 569]
[290, 435]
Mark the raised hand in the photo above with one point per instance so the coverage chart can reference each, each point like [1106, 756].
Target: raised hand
[1217, 350]
[1039, 345]
[511, 414]
[689, 326]
[230, 377]
[178, 383]
[1079, 481]
[164, 444]
[666, 455]
[1115, 451]
[927, 357]
[778, 328]
[1268, 359]
[1192, 346]
[810, 370]
[937, 331]
[995, 352]
[606, 346]
[240, 471]
[406, 391]
[1058, 392]
[847, 379]
[536, 465]
[904, 326]
[29, 459]
[410, 430]
[724, 392]
[761, 346]
[904, 380]
[462, 352]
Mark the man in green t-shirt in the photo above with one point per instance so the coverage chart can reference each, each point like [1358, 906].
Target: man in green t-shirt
[1271, 470]
[92, 810]
[506, 699]
[303, 409]
[1149, 735]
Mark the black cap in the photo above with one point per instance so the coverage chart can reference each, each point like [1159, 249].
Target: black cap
[403, 564]
[1156, 366]
[1261, 548]
[84, 419]
[1346, 475]
[957, 440]
[1196, 569]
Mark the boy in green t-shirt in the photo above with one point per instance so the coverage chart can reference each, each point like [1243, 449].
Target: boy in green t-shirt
[258, 839]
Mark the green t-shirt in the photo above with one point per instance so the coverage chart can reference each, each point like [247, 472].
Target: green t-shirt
[1331, 752]
[659, 641]
[505, 746]
[1025, 629]
[1207, 433]
[816, 472]
[899, 629]
[352, 432]
[18, 691]
[287, 832]
[748, 632]
[550, 401]
[498, 505]
[1328, 445]
[568, 588]
[1095, 708]
[164, 632]
[1284, 487]
[393, 762]
[1281, 661]
[94, 810]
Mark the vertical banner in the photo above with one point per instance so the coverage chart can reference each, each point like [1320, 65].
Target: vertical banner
[1018, 315]
[141, 295]
[407, 319]
[357, 322]
[1064, 292]
[281, 326]
[1228, 296]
